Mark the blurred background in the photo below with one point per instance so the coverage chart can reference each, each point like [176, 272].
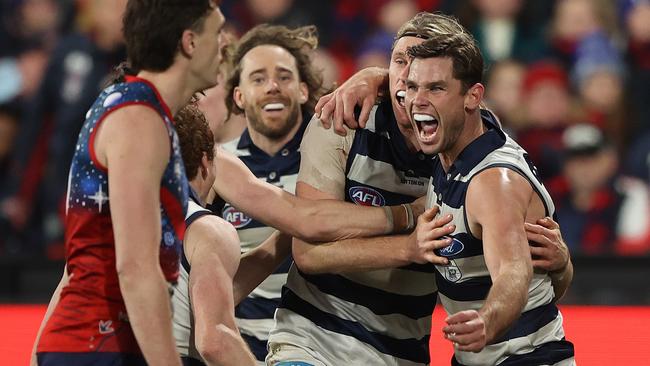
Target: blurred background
[570, 80]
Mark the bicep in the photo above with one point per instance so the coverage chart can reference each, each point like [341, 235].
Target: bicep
[497, 203]
[136, 155]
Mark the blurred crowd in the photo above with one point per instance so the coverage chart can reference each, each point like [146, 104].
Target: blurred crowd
[568, 78]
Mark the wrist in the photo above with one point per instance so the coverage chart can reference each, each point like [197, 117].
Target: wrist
[403, 218]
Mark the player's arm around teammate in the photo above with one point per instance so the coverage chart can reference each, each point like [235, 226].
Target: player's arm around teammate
[298, 217]
[549, 251]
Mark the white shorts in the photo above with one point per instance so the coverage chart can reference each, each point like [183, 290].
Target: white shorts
[285, 354]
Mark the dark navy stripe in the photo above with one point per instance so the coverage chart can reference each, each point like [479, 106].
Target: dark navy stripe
[89, 358]
[256, 308]
[378, 301]
[546, 354]
[257, 346]
[190, 361]
[451, 192]
[284, 266]
[416, 350]
[531, 321]
[471, 247]
[197, 215]
[184, 262]
[416, 267]
[471, 290]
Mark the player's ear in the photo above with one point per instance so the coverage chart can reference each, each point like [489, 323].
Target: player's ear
[187, 43]
[474, 97]
[304, 93]
[238, 97]
[205, 166]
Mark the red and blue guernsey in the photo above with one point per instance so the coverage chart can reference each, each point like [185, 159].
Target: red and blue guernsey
[91, 315]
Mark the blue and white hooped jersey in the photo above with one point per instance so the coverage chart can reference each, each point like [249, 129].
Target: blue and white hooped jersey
[537, 337]
[380, 317]
[254, 315]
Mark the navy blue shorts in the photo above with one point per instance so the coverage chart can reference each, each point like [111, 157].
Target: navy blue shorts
[89, 359]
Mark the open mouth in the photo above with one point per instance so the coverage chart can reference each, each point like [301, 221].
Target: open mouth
[273, 107]
[399, 96]
[427, 125]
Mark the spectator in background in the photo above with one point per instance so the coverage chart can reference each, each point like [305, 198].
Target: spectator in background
[9, 117]
[600, 211]
[329, 66]
[75, 74]
[547, 104]
[599, 74]
[504, 92]
[575, 19]
[502, 30]
[635, 15]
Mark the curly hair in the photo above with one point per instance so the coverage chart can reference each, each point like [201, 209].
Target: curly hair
[298, 42]
[195, 138]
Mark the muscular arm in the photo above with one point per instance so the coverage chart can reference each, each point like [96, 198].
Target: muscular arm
[319, 221]
[212, 248]
[506, 252]
[257, 264]
[136, 155]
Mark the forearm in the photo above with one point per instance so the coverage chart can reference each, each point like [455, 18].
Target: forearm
[561, 280]
[506, 299]
[147, 303]
[229, 349]
[352, 255]
[257, 264]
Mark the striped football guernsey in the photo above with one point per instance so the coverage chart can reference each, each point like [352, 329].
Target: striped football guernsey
[537, 337]
[254, 315]
[379, 317]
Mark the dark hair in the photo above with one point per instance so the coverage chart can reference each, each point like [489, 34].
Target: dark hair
[195, 138]
[459, 46]
[153, 29]
[298, 42]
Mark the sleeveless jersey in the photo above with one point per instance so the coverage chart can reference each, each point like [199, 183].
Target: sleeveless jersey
[183, 321]
[91, 315]
[254, 315]
[380, 317]
[537, 336]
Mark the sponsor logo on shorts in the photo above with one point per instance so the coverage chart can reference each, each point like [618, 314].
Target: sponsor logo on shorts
[236, 218]
[366, 196]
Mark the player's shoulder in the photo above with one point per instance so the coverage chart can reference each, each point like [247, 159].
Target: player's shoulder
[316, 134]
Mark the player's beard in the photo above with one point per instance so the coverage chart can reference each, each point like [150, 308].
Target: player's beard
[277, 131]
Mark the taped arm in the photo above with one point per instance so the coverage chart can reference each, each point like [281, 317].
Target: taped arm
[319, 221]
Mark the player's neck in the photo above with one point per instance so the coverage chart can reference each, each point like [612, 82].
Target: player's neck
[269, 145]
[472, 130]
[172, 85]
[410, 138]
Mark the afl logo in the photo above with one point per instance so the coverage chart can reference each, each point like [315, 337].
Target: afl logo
[236, 218]
[366, 196]
[452, 249]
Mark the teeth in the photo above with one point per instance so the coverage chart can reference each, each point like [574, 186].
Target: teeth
[273, 106]
[423, 117]
[401, 94]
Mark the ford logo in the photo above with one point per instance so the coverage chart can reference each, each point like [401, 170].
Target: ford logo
[236, 218]
[366, 196]
[452, 249]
